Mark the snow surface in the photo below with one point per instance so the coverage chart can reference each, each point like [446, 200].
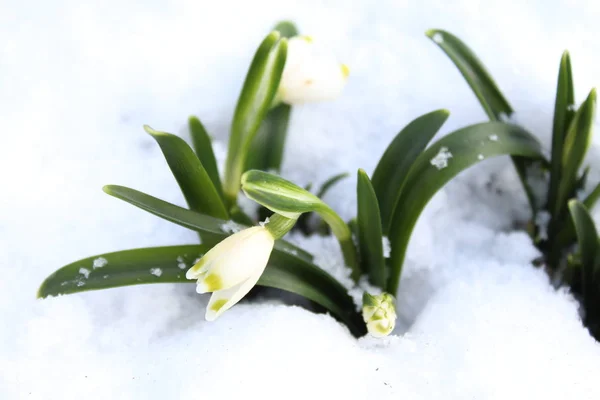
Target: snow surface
[79, 79]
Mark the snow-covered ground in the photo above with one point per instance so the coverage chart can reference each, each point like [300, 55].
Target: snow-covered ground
[77, 81]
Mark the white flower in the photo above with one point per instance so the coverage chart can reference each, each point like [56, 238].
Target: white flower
[231, 268]
[379, 313]
[310, 75]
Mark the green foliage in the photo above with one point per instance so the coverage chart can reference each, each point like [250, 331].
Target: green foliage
[253, 104]
[392, 169]
[267, 147]
[370, 233]
[571, 136]
[195, 183]
[203, 148]
[169, 264]
[441, 162]
[584, 274]
[485, 89]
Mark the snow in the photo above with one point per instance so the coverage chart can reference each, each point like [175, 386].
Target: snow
[476, 320]
[85, 272]
[156, 271]
[440, 160]
[99, 262]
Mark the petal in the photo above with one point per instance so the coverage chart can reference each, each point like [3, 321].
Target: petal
[249, 254]
[221, 249]
[311, 75]
[223, 300]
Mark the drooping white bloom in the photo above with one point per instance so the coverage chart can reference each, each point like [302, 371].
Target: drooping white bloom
[379, 313]
[231, 268]
[310, 75]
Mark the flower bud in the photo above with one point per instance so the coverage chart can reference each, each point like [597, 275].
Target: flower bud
[379, 313]
[310, 75]
[231, 268]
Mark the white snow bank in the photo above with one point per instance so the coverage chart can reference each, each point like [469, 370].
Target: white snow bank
[78, 80]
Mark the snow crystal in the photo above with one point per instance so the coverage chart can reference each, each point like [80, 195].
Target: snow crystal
[493, 138]
[156, 271]
[438, 38]
[230, 227]
[480, 157]
[85, 272]
[440, 161]
[99, 262]
[265, 222]
[181, 263]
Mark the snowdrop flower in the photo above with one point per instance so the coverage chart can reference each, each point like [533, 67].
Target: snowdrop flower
[309, 75]
[231, 268]
[379, 313]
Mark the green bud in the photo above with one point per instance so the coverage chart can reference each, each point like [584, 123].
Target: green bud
[279, 195]
[379, 313]
[290, 200]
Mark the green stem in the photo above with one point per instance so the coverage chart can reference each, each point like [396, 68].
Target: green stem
[344, 236]
[279, 225]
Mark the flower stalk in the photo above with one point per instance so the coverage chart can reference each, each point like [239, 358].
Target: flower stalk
[290, 200]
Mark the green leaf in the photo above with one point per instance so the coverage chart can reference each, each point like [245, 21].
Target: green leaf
[577, 141]
[203, 147]
[194, 181]
[392, 169]
[266, 152]
[214, 228]
[563, 114]
[169, 265]
[268, 145]
[441, 162]
[591, 199]
[587, 238]
[472, 69]
[370, 234]
[487, 92]
[256, 97]
[329, 183]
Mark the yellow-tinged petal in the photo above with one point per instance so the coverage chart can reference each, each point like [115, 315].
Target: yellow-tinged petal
[223, 300]
[234, 260]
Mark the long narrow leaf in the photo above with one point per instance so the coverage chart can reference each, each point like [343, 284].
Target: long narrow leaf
[268, 145]
[577, 141]
[587, 238]
[169, 265]
[563, 114]
[267, 148]
[439, 164]
[203, 148]
[472, 69]
[392, 169]
[195, 183]
[256, 97]
[369, 231]
[487, 92]
[217, 228]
